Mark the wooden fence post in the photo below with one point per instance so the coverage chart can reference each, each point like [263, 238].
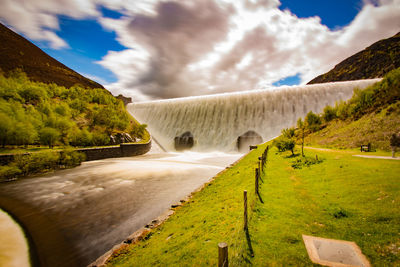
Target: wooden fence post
[257, 177]
[222, 254]
[245, 209]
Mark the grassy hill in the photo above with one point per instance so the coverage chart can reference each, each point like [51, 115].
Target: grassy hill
[373, 62]
[17, 52]
[371, 116]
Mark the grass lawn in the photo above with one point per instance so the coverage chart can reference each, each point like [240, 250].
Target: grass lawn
[343, 197]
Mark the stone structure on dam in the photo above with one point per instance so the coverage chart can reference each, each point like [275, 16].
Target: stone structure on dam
[216, 121]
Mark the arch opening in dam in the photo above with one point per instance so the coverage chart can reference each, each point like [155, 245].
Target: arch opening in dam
[217, 121]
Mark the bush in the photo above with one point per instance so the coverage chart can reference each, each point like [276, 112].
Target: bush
[9, 172]
[100, 139]
[329, 114]
[288, 133]
[36, 162]
[305, 162]
[71, 158]
[284, 144]
[312, 121]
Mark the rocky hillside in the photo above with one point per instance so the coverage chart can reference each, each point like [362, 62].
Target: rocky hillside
[18, 52]
[372, 62]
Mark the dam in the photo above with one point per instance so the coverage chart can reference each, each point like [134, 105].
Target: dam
[216, 121]
[74, 216]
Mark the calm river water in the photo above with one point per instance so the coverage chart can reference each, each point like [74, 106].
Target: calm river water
[74, 216]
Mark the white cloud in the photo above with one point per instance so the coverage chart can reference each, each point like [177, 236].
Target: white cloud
[261, 45]
[180, 48]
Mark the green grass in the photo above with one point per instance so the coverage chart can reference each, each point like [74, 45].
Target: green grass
[371, 128]
[343, 197]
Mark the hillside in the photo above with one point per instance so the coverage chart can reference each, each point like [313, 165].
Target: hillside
[371, 116]
[17, 52]
[372, 62]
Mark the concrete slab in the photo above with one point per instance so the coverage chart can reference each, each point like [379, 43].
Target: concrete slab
[331, 252]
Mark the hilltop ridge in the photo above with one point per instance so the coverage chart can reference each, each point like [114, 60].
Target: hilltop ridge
[16, 52]
[372, 62]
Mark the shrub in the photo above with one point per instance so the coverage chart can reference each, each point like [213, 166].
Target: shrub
[71, 158]
[312, 121]
[288, 133]
[329, 114]
[100, 139]
[284, 144]
[9, 172]
[305, 162]
[36, 162]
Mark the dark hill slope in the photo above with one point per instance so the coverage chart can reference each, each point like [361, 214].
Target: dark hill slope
[18, 52]
[372, 62]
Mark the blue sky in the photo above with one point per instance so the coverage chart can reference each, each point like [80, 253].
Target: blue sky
[157, 49]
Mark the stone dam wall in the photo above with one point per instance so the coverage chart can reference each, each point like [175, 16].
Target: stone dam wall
[96, 153]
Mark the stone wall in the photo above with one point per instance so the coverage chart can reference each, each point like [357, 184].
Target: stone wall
[96, 153]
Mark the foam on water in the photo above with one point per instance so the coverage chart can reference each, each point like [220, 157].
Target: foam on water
[14, 250]
[216, 121]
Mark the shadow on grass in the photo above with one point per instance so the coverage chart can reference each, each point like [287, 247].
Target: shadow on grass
[250, 247]
[259, 196]
[292, 156]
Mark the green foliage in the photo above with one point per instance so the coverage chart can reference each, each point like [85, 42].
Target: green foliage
[28, 164]
[9, 172]
[305, 162]
[288, 133]
[36, 162]
[283, 144]
[312, 121]
[47, 114]
[71, 158]
[329, 114]
[49, 136]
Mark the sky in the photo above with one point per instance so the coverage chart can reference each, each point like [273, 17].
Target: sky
[152, 49]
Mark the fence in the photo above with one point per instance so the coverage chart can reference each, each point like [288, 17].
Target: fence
[240, 240]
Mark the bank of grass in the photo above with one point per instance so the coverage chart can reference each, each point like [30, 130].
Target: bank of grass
[343, 197]
[374, 128]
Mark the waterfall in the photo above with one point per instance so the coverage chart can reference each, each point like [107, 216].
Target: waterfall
[216, 121]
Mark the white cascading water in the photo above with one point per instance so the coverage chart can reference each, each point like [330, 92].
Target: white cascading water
[216, 121]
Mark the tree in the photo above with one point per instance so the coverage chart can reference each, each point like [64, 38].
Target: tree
[24, 133]
[6, 124]
[300, 125]
[49, 136]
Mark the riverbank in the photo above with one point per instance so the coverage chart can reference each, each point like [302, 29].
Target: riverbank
[13, 166]
[339, 197]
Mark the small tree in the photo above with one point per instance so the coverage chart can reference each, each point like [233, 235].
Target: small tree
[49, 136]
[300, 125]
[283, 144]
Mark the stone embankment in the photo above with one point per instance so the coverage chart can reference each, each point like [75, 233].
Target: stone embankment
[96, 153]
